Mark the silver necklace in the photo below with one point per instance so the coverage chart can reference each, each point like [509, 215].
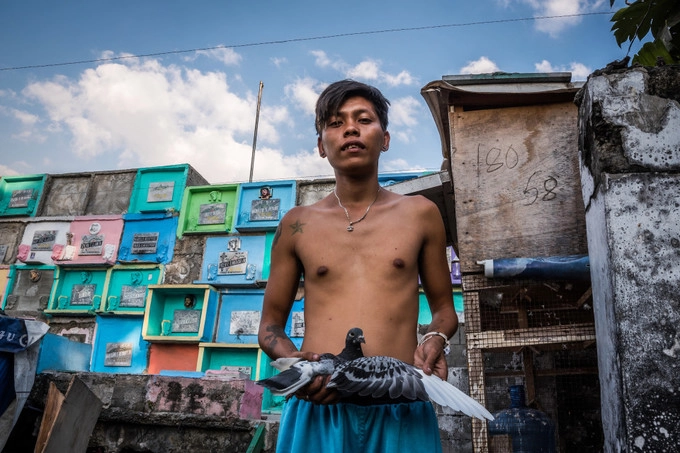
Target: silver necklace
[350, 227]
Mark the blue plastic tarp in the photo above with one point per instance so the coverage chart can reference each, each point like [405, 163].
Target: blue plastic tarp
[13, 334]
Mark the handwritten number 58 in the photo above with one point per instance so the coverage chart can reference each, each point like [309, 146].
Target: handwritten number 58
[532, 192]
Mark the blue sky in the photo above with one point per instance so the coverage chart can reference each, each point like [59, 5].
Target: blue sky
[199, 106]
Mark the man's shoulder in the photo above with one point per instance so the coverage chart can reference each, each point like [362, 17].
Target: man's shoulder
[300, 217]
[304, 210]
[414, 202]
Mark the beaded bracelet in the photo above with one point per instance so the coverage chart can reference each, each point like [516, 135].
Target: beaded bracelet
[427, 336]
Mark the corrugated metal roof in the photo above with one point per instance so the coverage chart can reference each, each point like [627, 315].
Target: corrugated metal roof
[508, 77]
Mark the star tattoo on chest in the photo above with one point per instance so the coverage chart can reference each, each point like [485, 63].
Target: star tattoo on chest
[297, 227]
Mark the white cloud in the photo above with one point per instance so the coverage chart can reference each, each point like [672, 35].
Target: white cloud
[322, 60]
[549, 8]
[404, 111]
[403, 78]
[26, 131]
[271, 164]
[7, 171]
[368, 70]
[481, 66]
[148, 114]
[26, 118]
[544, 66]
[304, 93]
[8, 94]
[403, 136]
[224, 54]
[579, 71]
[279, 61]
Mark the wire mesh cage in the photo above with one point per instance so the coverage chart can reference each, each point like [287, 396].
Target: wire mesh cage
[540, 335]
[505, 304]
[563, 385]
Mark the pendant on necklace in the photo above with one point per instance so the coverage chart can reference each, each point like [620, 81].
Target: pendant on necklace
[350, 227]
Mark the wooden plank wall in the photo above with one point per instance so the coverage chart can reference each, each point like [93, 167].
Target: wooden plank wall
[517, 183]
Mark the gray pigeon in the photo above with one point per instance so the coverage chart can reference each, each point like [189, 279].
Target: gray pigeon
[376, 377]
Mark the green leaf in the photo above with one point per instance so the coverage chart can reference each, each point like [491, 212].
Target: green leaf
[649, 52]
[643, 30]
[628, 20]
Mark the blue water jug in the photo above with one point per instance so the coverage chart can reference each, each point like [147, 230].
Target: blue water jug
[531, 430]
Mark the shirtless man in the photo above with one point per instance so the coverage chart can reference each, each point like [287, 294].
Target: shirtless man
[360, 251]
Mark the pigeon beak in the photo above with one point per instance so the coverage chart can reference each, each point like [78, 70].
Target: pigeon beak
[361, 339]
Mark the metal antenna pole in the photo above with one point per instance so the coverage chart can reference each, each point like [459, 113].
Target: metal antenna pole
[257, 120]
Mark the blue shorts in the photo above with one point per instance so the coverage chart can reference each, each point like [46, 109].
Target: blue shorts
[350, 428]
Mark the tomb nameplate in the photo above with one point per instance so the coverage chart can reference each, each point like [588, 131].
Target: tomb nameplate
[144, 243]
[160, 191]
[118, 354]
[43, 240]
[83, 294]
[265, 209]
[186, 321]
[132, 296]
[20, 198]
[212, 213]
[233, 263]
[92, 244]
[245, 322]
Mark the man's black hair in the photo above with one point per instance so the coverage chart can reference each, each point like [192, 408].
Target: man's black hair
[332, 98]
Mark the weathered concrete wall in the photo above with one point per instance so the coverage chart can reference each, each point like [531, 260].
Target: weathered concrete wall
[65, 194]
[110, 192]
[309, 192]
[187, 259]
[87, 193]
[10, 236]
[159, 414]
[629, 145]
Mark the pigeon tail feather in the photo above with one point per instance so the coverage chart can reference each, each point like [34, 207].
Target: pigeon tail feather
[445, 394]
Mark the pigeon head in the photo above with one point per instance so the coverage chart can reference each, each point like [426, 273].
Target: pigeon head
[355, 336]
[352, 348]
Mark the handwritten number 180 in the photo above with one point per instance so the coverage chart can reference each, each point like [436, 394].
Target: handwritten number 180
[495, 160]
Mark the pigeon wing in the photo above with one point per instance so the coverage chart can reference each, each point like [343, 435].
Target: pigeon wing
[377, 377]
[386, 376]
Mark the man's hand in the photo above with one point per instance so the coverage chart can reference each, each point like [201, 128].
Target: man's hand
[430, 358]
[316, 391]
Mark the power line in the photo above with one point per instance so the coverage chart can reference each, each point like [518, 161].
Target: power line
[290, 40]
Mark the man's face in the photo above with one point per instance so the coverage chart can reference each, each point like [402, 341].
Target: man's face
[354, 133]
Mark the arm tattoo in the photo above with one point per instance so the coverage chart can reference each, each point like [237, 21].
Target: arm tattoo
[297, 227]
[277, 235]
[275, 334]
